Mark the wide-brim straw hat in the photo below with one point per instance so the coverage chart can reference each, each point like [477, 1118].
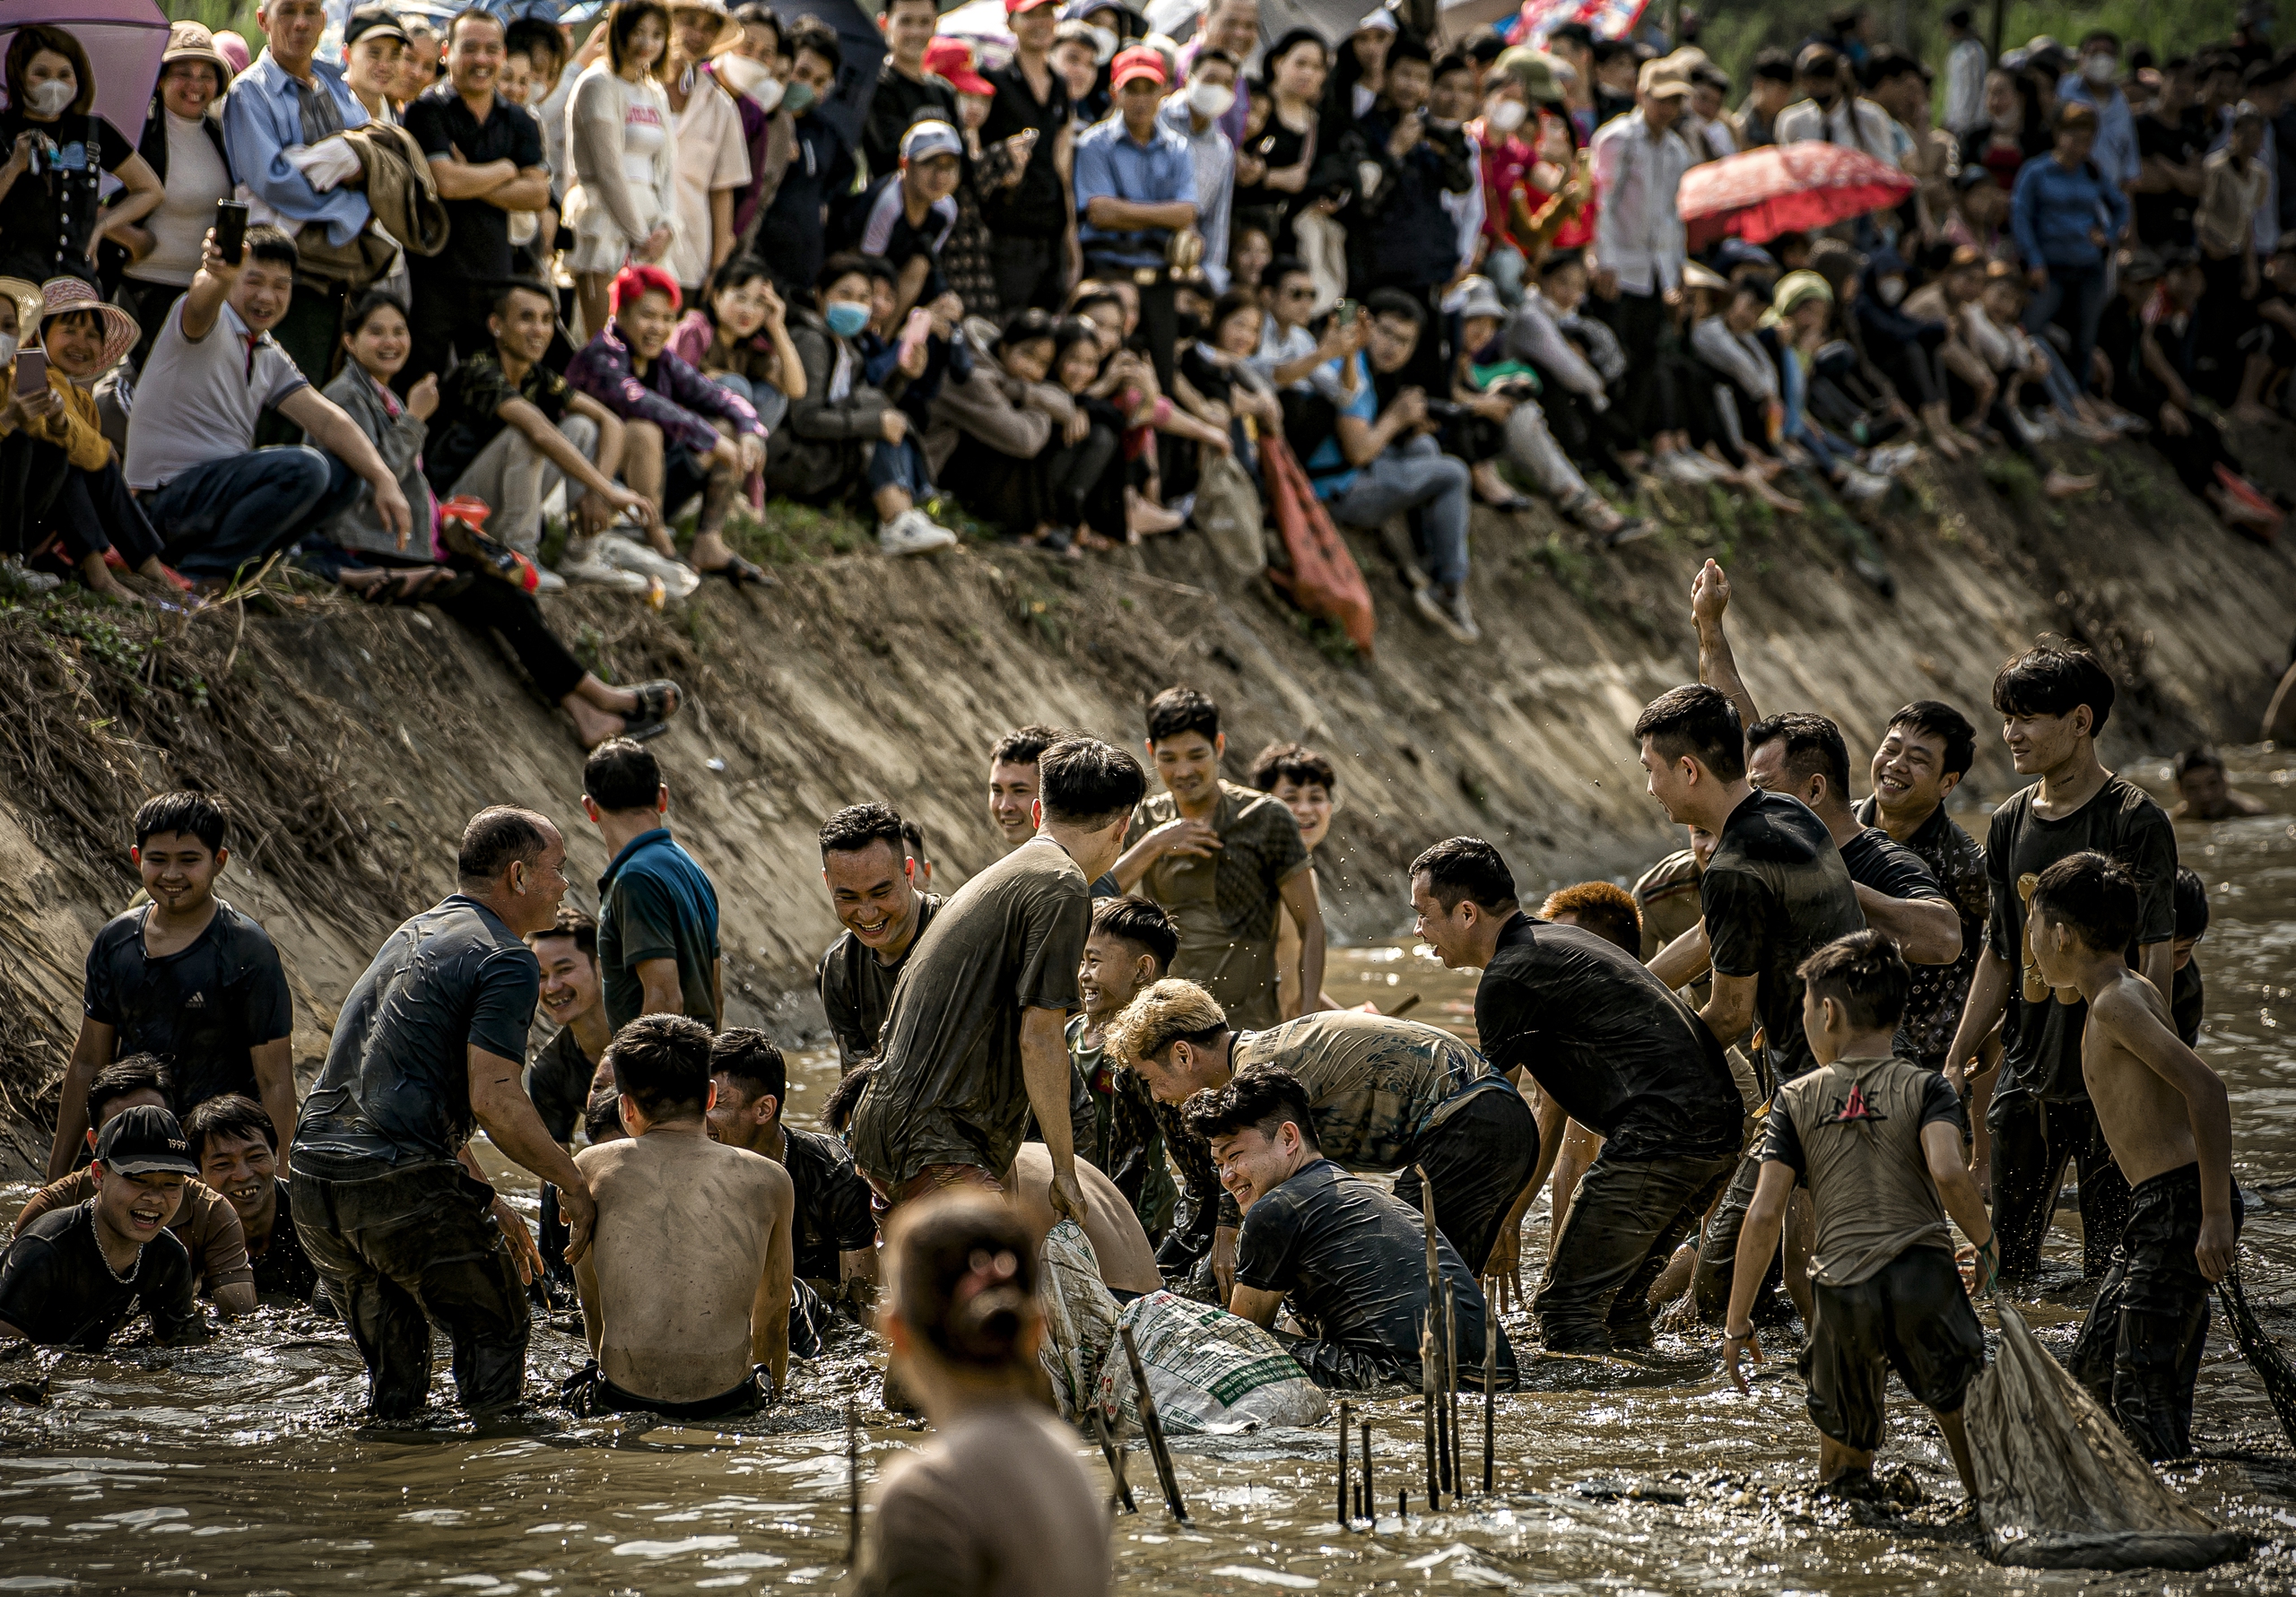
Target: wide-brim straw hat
[61, 296]
[30, 307]
[729, 31]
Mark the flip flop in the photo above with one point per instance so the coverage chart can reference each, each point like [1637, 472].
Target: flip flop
[658, 701]
[741, 573]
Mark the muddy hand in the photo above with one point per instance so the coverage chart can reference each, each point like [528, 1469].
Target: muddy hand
[523, 1254]
[1732, 1347]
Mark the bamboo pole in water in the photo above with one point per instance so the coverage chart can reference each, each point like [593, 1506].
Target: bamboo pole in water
[1490, 1386]
[1451, 1390]
[1430, 1340]
[1345, 1520]
[1151, 1425]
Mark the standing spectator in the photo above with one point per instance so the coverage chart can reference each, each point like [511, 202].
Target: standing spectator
[52, 220]
[1231, 27]
[1965, 66]
[545, 47]
[1638, 165]
[374, 53]
[2097, 85]
[792, 233]
[418, 68]
[657, 912]
[2234, 185]
[2170, 143]
[283, 103]
[1195, 114]
[906, 84]
[969, 258]
[623, 154]
[486, 156]
[1033, 222]
[2012, 133]
[1278, 150]
[2066, 214]
[1830, 109]
[712, 163]
[747, 72]
[1769, 90]
[183, 145]
[1399, 235]
[1136, 197]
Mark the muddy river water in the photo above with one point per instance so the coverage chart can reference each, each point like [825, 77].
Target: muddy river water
[241, 1466]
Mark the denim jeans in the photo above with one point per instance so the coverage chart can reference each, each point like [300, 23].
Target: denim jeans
[769, 402]
[900, 465]
[235, 511]
[1417, 476]
[2074, 296]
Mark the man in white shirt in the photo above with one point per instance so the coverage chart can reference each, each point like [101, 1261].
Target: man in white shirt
[1638, 161]
[1965, 66]
[219, 503]
[1831, 110]
[713, 154]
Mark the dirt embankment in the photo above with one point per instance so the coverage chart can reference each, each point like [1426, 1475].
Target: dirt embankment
[356, 740]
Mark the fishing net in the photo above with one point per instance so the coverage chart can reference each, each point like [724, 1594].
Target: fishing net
[2059, 1487]
[2263, 1353]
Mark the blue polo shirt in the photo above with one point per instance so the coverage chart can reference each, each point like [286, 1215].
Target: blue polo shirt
[655, 903]
[1109, 161]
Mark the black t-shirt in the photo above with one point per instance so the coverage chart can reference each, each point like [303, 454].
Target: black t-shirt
[2040, 1043]
[2166, 218]
[1875, 860]
[1037, 206]
[468, 417]
[885, 230]
[201, 1010]
[1351, 1260]
[478, 235]
[857, 987]
[284, 1270]
[894, 105]
[44, 221]
[833, 1214]
[57, 1288]
[395, 1088]
[559, 1081]
[1774, 893]
[2187, 1002]
[1605, 1038]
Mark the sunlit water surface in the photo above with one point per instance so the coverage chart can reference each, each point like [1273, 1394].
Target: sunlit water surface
[241, 1466]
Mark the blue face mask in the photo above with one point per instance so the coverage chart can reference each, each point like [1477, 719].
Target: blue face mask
[845, 319]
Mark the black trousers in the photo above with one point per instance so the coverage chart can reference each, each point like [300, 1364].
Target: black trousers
[587, 1392]
[484, 603]
[93, 511]
[1622, 1227]
[1645, 331]
[2033, 1141]
[1027, 271]
[1479, 1159]
[1159, 316]
[447, 323]
[404, 1248]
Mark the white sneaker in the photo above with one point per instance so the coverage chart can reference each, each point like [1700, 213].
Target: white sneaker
[1889, 462]
[630, 555]
[912, 532]
[549, 581]
[14, 575]
[582, 563]
[1864, 488]
[1679, 467]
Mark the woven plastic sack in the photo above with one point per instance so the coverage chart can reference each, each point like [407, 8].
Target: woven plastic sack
[1079, 1318]
[2059, 1487]
[1208, 1370]
[1319, 574]
[1227, 513]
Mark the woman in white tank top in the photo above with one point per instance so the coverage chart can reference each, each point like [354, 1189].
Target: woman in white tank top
[619, 135]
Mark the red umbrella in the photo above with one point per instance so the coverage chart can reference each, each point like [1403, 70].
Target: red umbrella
[1784, 188]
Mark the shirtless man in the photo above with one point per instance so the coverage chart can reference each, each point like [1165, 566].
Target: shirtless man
[2201, 792]
[685, 1288]
[2167, 1120]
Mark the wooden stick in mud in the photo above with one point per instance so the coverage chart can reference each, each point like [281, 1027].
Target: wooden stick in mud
[1451, 1390]
[1490, 1386]
[1346, 1518]
[1152, 1426]
[1370, 1503]
[1427, 1402]
[1114, 1455]
[852, 1484]
[1428, 1339]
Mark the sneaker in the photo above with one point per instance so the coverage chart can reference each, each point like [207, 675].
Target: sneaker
[1447, 607]
[628, 554]
[913, 532]
[547, 581]
[15, 577]
[1864, 488]
[1889, 462]
[582, 563]
[1680, 466]
[1632, 530]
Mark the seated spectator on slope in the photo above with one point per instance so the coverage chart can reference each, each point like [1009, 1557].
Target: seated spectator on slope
[361, 554]
[1106, 499]
[1012, 445]
[1791, 334]
[738, 338]
[846, 436]
[1724, 352]
[683, 435]
[1578, 358]
[236, 1149]
[219, 503]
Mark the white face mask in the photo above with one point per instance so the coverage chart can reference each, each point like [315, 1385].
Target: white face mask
[7, 348]
[1507, 115]
[1104, 43]
[752, 78]
[1891, 289]
[49, 98]
[2099, 69]
[1209, 100]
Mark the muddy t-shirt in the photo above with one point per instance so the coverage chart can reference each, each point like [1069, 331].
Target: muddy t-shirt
[396, 1086]
[284, 1270]
[948, 1086]
[1933, 1008]
[57, 1288]
[1851, 1131]
[1225, 907]
[1376, 1084]
[857, 987]
[833, 1214]
[201, 1010]
[2188, 1001]
[1621, 1055]
[206, 1223]
[1351, 1260]
[2040, 1043]
[558, 1080]
[1123, 1140]
[1774, 893]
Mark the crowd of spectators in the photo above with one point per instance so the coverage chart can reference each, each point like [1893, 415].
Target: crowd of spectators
[455, 314]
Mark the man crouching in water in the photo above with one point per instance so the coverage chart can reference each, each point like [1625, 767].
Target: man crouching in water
[685, 1289]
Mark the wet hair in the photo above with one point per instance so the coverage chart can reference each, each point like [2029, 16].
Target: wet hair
[811, 33]
[1292, 762]
[663, 1062]
[1813, 748]
[622, 21]
[752, 1061]
[622, 774]
[1865, 973]
[2200, 756]
[363, 308]
[1603, 908]
[578, 924]
[1261, 1097]
[41, 39]
[2192, 905]
[1165, 1013]
[1084, 782]
[533, 37]
[497, 838]
[1028, 325]
[1467, 868]
[837, 1109]
[1140, 922]
[2055, 681]
[1934, 718]
[602, 1117]
[1024, 745]
[1700, 721]
[856, 826]
[963, 1269]
[1181, 709]
[137, 1072]
[186, 813]
[232, 1117]
[913, 835]
[2094, 894]
[1381, 302]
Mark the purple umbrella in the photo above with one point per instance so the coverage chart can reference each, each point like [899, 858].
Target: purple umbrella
[124, 39]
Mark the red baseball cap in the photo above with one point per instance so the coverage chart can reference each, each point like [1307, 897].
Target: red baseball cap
[1141, 61]
[1013, 8]
[952, 59]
